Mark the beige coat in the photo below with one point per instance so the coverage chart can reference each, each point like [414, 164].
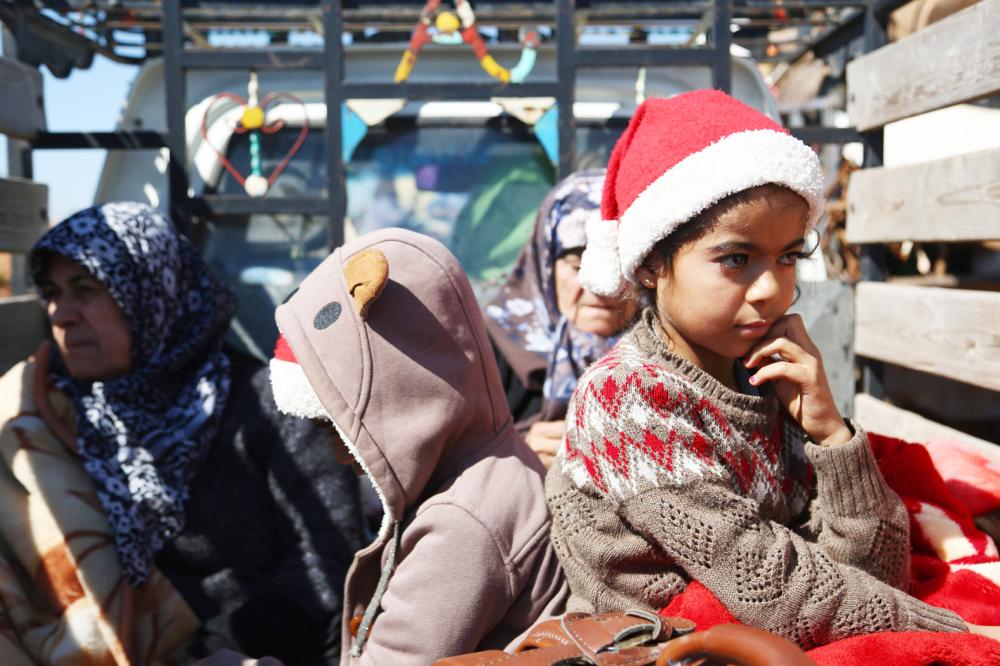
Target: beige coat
[414, 391]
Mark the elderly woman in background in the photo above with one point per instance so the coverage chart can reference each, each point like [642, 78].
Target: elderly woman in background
[156, 505]
[545, 327]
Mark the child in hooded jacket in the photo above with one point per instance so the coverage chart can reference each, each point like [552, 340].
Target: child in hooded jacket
[707, 445]
[384, 343]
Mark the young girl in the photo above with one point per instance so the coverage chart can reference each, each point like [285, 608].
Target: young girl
[706, 445]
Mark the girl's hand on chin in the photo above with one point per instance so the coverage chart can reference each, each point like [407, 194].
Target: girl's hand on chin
[789, 359]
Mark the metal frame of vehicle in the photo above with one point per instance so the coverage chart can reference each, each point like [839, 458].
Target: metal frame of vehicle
[180, 59]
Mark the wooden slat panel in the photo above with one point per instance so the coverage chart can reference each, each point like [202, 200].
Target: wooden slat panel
[22, 113]
[24, 213]
[954, 199]
[24, 325]
[954, 60]
[948, 332]
[885, 419]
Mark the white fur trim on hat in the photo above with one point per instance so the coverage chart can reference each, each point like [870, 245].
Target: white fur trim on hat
[293, 393]
[733, 164]
[600, 271]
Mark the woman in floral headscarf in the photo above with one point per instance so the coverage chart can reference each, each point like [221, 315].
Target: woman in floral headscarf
[161, 505]
[545, 327]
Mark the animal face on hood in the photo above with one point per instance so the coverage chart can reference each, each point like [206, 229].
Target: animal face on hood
[385, 339]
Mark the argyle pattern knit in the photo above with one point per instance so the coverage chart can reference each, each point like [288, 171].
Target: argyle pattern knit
[668, 476]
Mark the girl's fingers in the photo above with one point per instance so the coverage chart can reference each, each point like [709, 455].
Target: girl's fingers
[792, 372]
[783, 347]
[547, 445]
[554, 428]
[792, 327]
[547, 459]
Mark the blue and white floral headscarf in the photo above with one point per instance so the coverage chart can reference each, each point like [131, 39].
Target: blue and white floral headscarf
[142, 436]
[542, 346]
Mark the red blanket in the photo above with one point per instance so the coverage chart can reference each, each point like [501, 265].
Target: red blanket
[955, 566]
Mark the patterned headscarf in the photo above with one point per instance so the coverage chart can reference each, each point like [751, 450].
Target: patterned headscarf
[142, 435]
[524, 318]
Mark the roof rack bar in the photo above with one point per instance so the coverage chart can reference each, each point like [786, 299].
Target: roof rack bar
[333, 91]
[454, 91]
[567, 61]
[261, 59]
[241, 204]
[119, 140]
[643, 57]
[722, 39]
[176, 100]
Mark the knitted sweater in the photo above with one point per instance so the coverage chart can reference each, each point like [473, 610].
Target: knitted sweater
[667, 476]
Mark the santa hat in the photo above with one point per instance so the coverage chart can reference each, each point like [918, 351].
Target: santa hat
[293, 394]
[678, 157]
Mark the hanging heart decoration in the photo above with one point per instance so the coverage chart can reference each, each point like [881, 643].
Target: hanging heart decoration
[253, 121]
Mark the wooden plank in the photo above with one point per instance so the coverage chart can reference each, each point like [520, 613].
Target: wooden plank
[885, 419]
[22, 112]
[24, 326]
[954, 60]
[954, 199]
[947, 332]
[24, 214]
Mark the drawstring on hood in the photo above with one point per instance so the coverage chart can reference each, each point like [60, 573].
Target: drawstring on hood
[383, 584]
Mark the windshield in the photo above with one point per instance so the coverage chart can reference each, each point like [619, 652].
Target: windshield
[476, 188]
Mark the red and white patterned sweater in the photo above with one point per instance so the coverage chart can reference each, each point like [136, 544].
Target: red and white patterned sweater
[668, 476]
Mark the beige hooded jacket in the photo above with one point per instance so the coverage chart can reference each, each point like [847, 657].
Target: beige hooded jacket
[386, 340]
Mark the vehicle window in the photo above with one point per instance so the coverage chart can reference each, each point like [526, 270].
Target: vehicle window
[475, 188]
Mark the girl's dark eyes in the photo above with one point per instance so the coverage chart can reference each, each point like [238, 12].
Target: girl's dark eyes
[792, 257]
[734, 260]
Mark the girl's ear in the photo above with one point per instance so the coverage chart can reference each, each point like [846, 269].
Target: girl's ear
[646, 275]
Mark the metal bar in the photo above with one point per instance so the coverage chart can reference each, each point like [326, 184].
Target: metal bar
[882, 8]
[722, 38]
[566, 86]
[826, 134]
[19, 164]
[873, 257]
[333, 53]
[241, 204]
[452, 91]
[120, 140]
[834, 39]
[632, 56]
[178, 201]
[261, 59]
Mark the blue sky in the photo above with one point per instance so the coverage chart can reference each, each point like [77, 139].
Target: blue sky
[89, 99]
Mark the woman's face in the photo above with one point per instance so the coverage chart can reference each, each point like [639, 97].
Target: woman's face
[722, 292]
[590, 313]
[89, 327]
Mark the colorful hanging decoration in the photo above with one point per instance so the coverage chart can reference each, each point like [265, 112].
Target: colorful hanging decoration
[443, 26]
[253, 120]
